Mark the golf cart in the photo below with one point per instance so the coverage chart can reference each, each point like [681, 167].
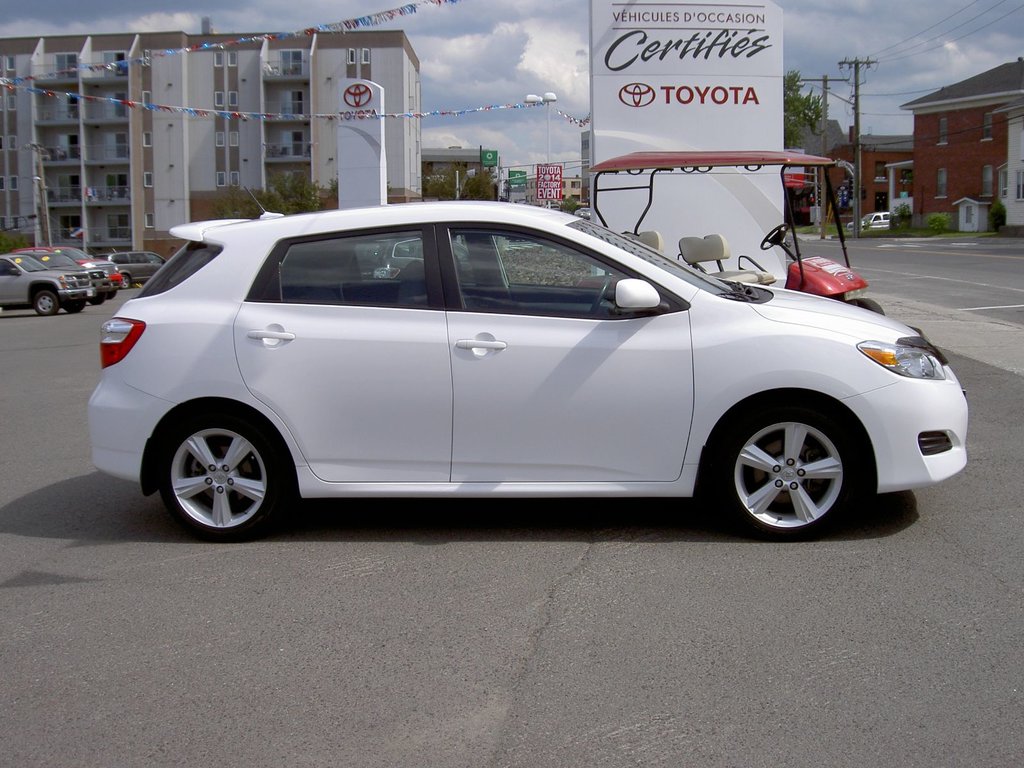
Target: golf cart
[711, 253]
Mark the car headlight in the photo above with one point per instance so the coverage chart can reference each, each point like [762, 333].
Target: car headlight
[911, 356]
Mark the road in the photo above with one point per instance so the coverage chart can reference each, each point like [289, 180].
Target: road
[502, 634]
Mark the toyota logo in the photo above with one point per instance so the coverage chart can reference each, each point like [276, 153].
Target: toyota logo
[636, 94]
[358, 95]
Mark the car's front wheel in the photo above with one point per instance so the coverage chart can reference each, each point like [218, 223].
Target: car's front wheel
[785, 472]
[223, 478]
[46, 303]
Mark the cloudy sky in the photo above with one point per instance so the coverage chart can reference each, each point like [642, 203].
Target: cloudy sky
[476, 53]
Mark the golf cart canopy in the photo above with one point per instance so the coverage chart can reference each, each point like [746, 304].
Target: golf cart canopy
[700, 160]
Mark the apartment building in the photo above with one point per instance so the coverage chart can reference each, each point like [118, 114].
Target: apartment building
[102, 146]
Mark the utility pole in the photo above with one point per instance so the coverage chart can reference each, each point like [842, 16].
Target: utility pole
[820, 178]
[43, 206]
[855, 65]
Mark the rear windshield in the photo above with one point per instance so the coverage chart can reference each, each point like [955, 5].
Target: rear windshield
[180, 267]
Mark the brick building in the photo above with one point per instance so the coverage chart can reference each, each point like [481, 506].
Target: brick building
[960, 146]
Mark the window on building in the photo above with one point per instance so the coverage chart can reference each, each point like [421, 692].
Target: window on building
[366, 55]
[149, 221]
[986, 181]
[219, 138]
[12, 102]
[234, 178]
[1002, 182]
[233, 138]
[943, 129]
[879, 170]
[233, 58]
[147, 178]
[147, 97]
[147, 139]
[13, 183]
[1020, 185]
[233, 99]
[986, 126]
[2, 183]
[221, 179]
[1, 142]
[351, 55]
[12, 142]
[9, 62]
[940, 183]
[291, 62]
[218, 59]
[65, 61]
[218, 99]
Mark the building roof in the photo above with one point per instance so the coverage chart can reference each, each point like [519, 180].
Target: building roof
[1004, 80]
[810, 139]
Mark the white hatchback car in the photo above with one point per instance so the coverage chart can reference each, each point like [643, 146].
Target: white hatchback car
[514, 351]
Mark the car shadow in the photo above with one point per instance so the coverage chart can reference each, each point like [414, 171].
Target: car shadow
[96, 509]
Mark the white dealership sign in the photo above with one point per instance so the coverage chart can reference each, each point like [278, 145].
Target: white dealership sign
[362, 165]
[689, 76]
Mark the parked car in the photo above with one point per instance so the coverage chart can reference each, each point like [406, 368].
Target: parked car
[584, 212]
[26, 283]
[136, 266]
[101, 285]
[106, 278]
[527, 353]
[879, 220]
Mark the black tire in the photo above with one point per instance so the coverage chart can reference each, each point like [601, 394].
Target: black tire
[786, 472]
[208, 502]
[870, 304]
[126, 280]
[46, 303]
[74, 307]
[97, 300]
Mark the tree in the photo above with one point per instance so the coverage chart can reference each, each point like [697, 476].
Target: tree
[9, 242]
[288, 193]
[441, 185]
[800, 110]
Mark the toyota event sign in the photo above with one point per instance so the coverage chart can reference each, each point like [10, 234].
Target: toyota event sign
[678, 76]
[549, 182]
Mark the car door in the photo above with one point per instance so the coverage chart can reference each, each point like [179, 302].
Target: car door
[550, 384]
[353, 357]
[11, 284]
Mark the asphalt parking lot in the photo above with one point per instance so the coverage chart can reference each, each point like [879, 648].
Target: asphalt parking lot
[503, 634]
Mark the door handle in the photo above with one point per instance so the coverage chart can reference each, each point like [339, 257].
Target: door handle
[479, 344]
[277, 335]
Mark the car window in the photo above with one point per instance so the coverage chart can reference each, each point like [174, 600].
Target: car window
[521, 273]
[185, 263]
[381, 269]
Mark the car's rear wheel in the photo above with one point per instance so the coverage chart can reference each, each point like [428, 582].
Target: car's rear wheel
[786, 472]
[126, 280]
[46, 303]
[223, 478]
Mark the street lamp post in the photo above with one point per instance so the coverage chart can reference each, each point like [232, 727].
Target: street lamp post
[547, 99]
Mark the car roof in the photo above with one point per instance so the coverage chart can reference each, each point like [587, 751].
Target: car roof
[319, 222]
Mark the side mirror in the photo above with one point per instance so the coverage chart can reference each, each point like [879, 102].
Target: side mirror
[631, 293]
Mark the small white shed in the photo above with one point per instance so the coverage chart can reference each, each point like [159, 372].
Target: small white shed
[973, 214]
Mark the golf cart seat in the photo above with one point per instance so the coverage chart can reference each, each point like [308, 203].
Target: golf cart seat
[652, 238]
[714, 249]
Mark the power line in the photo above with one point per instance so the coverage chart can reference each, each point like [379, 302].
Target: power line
[955, 39]
[926, 29]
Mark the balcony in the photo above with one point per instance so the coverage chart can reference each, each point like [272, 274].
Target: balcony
[103, 153]
[107, 236]
[118, 195]
[286, 69]
[106, 113]
[293, 151]
[62, 155]
[54, 72]
[105, 70]
[295, 109]
[64, 195]
[64, 114]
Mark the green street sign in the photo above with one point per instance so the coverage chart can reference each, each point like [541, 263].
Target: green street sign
[488, 158]
[516, 179]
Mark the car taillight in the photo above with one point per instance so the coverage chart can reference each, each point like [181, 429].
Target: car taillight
[119, 335]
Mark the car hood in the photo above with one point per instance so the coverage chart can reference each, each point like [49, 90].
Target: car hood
[798, 308]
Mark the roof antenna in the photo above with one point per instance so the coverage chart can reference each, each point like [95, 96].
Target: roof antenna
[265, 213]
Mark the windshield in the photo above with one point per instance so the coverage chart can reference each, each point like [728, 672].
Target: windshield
[673, 265]
[29, 263]
[55, 259]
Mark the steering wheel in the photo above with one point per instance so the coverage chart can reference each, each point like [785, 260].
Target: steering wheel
[595, 308]
[775, 237]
